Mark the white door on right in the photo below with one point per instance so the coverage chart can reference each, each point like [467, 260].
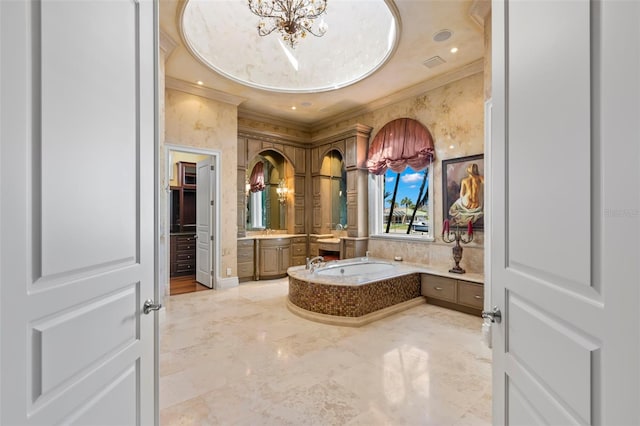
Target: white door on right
[565, 155]
[204, 222]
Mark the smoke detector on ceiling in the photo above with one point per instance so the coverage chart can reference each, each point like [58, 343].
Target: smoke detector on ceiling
[433, 62]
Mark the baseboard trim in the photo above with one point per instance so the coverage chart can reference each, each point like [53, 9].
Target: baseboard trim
[224, 283]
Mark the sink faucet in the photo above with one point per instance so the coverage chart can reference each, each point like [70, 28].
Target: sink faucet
[339, 227]
[314, 263]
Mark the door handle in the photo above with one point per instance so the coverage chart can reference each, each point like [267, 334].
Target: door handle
[494, 315]
[150, 306]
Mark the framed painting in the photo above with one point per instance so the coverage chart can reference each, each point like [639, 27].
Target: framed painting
[463, 191]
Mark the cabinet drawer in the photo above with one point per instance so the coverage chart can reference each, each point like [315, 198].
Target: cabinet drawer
[185, 238]
[439, 287]
[245, 269]
[298, 260]
[185, 266]
[299, 240]
[299, 250]
[245, 255]
[245, 243]
[185, 246]
[184, 257]
[471, 294]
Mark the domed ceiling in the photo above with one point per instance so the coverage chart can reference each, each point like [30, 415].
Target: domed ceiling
[374, 52]
[360, 38]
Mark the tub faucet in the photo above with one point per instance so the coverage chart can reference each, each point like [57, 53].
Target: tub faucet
[314, 263]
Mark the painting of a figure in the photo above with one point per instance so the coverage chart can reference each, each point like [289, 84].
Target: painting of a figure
[463, 191]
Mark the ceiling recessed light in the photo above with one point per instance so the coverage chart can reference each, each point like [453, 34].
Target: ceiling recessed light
[454, 49]
[451, 146]
[442, 35]
[199, 83]
[293, 108]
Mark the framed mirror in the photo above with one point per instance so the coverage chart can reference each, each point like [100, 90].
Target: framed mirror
[268, 189]
[335, 193]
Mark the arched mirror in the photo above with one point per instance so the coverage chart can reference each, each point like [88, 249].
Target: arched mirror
[335, 193]
[268, 188]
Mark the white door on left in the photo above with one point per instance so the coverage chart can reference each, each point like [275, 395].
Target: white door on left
[77, 221]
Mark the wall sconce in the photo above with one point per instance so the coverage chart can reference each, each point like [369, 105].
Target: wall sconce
[282, 191]
[247, 187]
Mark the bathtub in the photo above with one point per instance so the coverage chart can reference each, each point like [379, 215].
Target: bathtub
[353, 292]
[350, 269]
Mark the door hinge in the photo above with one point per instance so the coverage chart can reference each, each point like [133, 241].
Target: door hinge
[213, 167]
[212, 202]
[212, 238]
[211, 273]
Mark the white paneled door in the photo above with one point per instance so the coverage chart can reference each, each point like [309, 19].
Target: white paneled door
[77, 120]
[204, 222]
[565, 191]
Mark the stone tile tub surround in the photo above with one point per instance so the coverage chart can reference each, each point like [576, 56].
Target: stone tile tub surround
[353, 301]
[359, 295]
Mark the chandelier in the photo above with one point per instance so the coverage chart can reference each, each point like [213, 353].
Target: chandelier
[293, 18]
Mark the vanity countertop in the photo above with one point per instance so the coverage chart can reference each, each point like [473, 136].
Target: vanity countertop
[270, 236]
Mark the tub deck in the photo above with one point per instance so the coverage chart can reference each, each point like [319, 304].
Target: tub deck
[360, 298]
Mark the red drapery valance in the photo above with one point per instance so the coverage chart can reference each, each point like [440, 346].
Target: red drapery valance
[256, 181]
[401, 143]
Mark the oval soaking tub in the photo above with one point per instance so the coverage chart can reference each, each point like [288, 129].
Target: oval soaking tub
[353, 292]
[351, 269]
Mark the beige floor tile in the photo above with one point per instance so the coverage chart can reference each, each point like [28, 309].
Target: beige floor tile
[239, 356]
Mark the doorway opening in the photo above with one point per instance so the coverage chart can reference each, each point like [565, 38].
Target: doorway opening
[187, 238]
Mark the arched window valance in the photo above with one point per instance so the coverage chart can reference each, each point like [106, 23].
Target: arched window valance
[401, 143]
[256, 181]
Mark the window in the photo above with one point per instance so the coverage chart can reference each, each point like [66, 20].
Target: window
[400, 164]
[411, 214]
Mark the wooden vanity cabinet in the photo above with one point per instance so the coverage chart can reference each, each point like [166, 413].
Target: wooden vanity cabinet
[274, 257]
[246, 260]
[298, 251]
[464, 296]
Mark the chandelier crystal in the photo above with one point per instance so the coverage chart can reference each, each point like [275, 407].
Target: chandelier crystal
[294, 19]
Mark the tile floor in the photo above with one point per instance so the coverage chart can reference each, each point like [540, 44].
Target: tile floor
[238, 356]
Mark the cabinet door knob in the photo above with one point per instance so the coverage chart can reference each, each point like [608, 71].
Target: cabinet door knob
[477, 297]
[438, 288]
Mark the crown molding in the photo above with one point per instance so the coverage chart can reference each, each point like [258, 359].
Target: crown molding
[479, 10]
[205, 92]
[347, 131]
[468, 70]
[271, 137]
[167, 44]
[275, 121]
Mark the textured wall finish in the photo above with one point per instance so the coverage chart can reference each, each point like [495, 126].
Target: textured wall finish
[193, 121]
[454, 114]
